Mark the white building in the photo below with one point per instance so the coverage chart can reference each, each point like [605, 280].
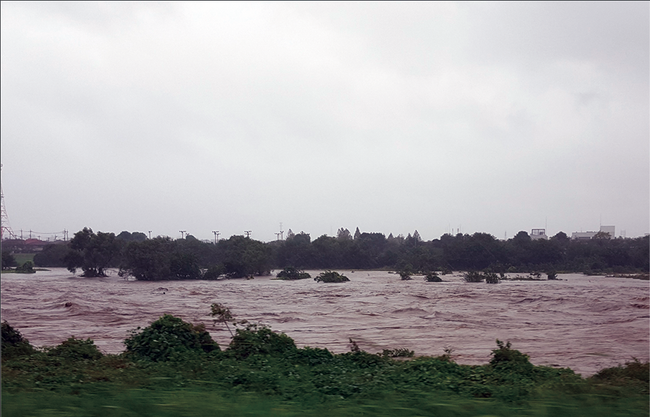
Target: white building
[609, 229]
[537, 234]
[589, 235]
[583, 235]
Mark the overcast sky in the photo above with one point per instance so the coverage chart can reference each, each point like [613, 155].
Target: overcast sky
[389, 117]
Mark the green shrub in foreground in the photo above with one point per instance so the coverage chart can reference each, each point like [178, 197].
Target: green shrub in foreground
[76, 349]
[257, 339]
[167, 338]
[13, 343]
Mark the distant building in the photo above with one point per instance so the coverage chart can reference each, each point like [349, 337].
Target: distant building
[537, 234]
[609, 229]
[589, 235]
[583, 235]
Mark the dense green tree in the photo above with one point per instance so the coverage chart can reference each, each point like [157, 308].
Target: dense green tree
[8, 260]
[184, 266]
[343, 234]
[91, 252]
[149, 260]
[131, 237]
[326, 252]
[244, 257]
[52, 255]
[296, 251]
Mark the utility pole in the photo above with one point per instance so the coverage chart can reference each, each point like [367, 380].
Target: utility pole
[183, 233]
[277, 236]
[248, 233]
[216, 236]
[281, 232]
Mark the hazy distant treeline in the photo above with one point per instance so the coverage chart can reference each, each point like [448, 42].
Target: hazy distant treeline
[238, 256]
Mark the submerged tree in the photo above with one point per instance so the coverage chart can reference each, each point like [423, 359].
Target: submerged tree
[91, 252]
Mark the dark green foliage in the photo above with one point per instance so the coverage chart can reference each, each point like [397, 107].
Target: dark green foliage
[13, 343]
[238, 257]
[149, 260]
[184, 266]
[312, 356]
[505, 355]
[52, 255]
[76, 349]
[397, 353]
[308, 381]
[291, 273]
[26, 268]
[473, 276]
[634, 373]
[8, 260]
[491, 278]
[221, 313]
[406, 272]
[244, 257]
[432, 277]
[257, 339]
[331, 276]
[91, 252]
[131, 237]
[169, 338]
[214, 272]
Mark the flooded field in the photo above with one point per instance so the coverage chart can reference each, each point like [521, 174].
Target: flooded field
[585, 323]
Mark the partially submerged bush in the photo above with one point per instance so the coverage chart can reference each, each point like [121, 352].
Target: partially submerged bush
[432, 277]
[26, 268]
[13, 343]
[291, 273]
[214, 272]
[257, 339]
[168, 338]
[551, 275]
[76, 349]
[473, 276]
[405, 273]
[331, 276]
[491, 278]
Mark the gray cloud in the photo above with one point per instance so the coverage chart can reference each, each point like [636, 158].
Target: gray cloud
[385, 116]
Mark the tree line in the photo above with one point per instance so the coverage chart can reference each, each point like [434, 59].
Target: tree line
[164, 258]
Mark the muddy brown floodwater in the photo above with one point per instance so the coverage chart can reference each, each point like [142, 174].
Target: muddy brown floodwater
[582, 322]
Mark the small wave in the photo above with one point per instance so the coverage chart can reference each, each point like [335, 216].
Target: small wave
[410, 310]
[289, 319]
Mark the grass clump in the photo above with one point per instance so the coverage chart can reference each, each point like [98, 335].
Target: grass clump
[291, 273]
[331, 276]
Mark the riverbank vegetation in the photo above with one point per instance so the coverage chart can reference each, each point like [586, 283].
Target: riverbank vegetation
[174, 368]
[162, 258]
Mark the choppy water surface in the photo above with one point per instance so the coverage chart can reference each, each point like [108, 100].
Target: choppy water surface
[585, 323]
